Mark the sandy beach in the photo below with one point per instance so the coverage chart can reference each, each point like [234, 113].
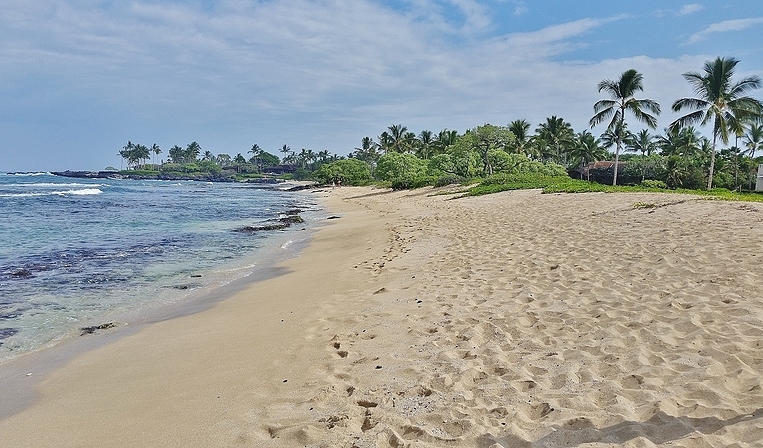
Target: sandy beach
[419, 320]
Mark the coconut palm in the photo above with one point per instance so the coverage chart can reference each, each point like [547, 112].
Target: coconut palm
[558, 136]
[643, 142]
[586, 149]
[223, 159]
[611, 137]
[385, 142]
[156, 150]
[754, 139]
[424, 144]
[192, 152]
[257, 156]
[622, 100]
[239, 160]
[286, 150]
[685, 142]
[400, 139]
[719, 101]
[444, 139]
[521, 131]
[177, 154]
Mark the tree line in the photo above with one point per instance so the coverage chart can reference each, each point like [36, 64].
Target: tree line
[191, 159]
[678, 157]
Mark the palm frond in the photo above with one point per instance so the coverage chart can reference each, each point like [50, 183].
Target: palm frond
[687, 120]
[690, 103]
[602, 115]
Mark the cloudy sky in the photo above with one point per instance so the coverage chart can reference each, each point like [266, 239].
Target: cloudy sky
[79, 78]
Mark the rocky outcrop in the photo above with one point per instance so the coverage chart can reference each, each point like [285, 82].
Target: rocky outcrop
[292, 217]
[204, 177]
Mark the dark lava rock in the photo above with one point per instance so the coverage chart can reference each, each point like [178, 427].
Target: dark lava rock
[292, 219]
[282, 224]
[93, 329]
[22, 273]
[7, 332]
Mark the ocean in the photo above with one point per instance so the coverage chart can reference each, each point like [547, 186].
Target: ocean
[78, 253]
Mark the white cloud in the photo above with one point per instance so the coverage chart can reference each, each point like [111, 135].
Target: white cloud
[690, 8]
[318, 74]
[726, 26]
[476, 16]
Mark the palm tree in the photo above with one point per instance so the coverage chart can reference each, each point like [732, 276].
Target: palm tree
[192, 152]
[141, 153]
[239, 160]
[177, 154]
[156, 150]
[385, 142]
[424, 143]
[754, 139]
[520, 129]
[644, 142]
[621, 100]
[587, 149]
[558, 135]
[257, 156]
[684, 142]
[400, 139]
[611, 137]
[719, 101]
[223, 159]
[286, 151]
[444, 139]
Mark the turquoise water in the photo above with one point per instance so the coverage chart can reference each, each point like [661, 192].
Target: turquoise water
[80, 252]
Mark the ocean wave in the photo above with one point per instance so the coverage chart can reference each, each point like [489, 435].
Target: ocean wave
[29, 174]
[51, 184]
[82, 192]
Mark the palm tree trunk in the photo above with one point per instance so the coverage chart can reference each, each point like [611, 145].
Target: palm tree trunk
[712, 163]
[617, 161]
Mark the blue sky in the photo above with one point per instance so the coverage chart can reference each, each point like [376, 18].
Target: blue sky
[80, 78]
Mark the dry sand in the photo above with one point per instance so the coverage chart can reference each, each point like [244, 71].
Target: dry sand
[510, 320]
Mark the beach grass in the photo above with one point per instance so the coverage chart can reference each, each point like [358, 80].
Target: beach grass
[563, 184]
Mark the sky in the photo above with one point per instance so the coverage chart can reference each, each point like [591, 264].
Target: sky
[79, 78]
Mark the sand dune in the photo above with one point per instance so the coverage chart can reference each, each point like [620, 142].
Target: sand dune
[414, 320]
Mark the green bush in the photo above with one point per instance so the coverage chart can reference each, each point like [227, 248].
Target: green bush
[403, 171]
[448, 179]
[651, 183]
[413, 182]
[348, 171]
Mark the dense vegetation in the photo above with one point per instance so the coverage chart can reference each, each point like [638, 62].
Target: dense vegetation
[514, 156]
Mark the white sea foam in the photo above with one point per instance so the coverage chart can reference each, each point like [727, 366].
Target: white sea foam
[50, 184]
[287, 244]
[29, 174]
[83, 192]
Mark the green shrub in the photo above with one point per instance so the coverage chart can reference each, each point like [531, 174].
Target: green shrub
[348, 171]
[448, 179]
[651, 183]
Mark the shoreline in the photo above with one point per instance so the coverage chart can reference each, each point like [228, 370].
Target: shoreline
[514, 319]
[21, 374]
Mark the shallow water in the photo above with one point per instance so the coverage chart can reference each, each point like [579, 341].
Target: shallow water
[77, 252]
